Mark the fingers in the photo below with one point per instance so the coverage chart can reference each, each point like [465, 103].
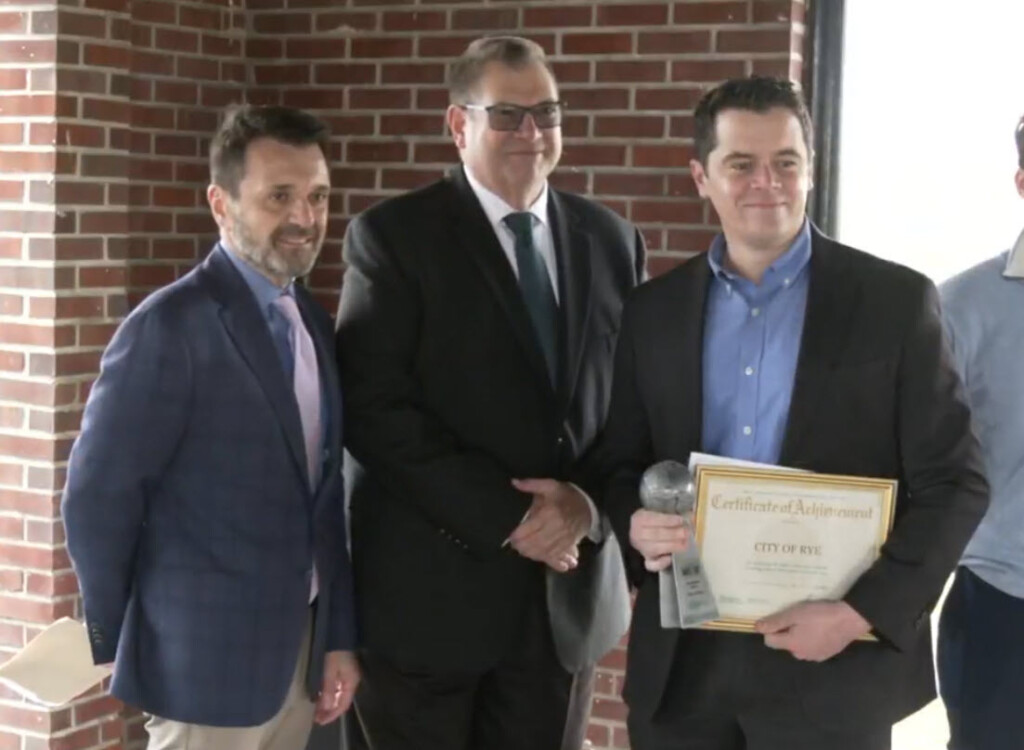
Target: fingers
[559, 547]
[655, 535]
[781, 641]
[562, 563]
[654, 519]
[345, 699]
[532, 526]
[657, 563]
[542, 516]
[773, 624]
[536, 486]
[780, 621]
[327, 704]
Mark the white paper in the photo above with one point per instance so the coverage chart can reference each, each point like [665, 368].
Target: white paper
[56, 667]
[709, 459]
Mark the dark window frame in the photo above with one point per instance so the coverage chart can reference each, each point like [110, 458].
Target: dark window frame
[823, 82]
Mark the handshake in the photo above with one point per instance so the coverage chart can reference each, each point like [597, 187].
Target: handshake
[558, 519]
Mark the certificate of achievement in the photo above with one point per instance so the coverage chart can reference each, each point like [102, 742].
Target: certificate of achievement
[771, 538]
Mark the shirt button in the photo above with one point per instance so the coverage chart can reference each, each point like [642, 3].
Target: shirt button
[747, 430]
[749, 371]
[756, 311]
[786, 282]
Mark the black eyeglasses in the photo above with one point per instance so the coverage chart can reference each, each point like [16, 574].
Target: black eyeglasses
[507, 117]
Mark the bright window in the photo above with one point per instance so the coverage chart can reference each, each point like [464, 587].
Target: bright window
[931, 95]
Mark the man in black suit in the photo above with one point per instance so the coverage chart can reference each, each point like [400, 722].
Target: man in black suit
[786, 347]
[476, 329]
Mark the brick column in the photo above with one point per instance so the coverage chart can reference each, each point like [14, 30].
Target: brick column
[37, 346]
[105, 110]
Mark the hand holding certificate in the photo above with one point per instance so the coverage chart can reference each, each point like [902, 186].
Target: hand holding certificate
[766, 540]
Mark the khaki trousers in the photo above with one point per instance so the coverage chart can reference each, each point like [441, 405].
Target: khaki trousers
[288, 730]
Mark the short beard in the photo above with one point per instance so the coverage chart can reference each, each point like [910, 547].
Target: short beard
[261, 255]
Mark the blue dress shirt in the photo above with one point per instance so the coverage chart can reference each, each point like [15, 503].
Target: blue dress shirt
[752, 336]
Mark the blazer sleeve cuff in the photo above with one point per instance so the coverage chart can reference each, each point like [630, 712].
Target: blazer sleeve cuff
[889, 627]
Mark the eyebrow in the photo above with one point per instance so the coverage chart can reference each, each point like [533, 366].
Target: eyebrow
[290, 186]
[743, 155]
[524, 106]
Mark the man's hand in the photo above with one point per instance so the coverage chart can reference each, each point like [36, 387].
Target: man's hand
[341, 676]
[656, 536]
[813, 631]
[556, 522]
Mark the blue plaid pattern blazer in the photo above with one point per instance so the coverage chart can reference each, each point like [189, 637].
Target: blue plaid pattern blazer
[190, 520]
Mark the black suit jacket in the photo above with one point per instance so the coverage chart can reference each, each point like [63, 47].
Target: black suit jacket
[448, 399]
[875, 395]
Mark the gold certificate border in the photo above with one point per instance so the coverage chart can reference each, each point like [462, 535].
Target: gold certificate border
[885, 487]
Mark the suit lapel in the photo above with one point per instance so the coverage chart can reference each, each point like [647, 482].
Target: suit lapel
[248, 331]
[476, 235]
[572, 254]
[832, 300]
[686, 356]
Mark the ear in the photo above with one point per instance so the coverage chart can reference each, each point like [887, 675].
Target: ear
[456, 119]
[217, 197]
[1020, 182]
[810, 172]
[699, 177]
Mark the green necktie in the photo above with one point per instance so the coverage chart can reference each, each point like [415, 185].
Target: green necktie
[538, 292]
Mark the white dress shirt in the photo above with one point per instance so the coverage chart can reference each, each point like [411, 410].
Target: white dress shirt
[496, 210]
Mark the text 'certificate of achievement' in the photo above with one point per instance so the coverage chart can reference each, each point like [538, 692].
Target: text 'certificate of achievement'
[770, 538]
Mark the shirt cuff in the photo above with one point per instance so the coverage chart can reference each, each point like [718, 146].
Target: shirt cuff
[595, 533]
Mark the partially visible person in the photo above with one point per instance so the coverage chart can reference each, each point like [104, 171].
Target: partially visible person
[204, 504]
[981, 630]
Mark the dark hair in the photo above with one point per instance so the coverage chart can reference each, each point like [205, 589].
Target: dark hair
[755, 94]
[512, 51]
[1020, 143]
[246, 123]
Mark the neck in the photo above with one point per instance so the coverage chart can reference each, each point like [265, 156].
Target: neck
[751, 260]
[274, 278]
[519, 198]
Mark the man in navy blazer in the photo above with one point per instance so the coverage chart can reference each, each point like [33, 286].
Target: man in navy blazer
[204, 501]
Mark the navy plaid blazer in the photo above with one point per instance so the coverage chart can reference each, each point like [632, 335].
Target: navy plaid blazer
[190, 521]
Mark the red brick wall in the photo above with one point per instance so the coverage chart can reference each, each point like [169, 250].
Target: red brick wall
[630, 71]
[105, 111]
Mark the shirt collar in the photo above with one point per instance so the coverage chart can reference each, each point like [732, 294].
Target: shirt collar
[497, 209]
[787, 267]
[1015, 262]
[265, 291]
